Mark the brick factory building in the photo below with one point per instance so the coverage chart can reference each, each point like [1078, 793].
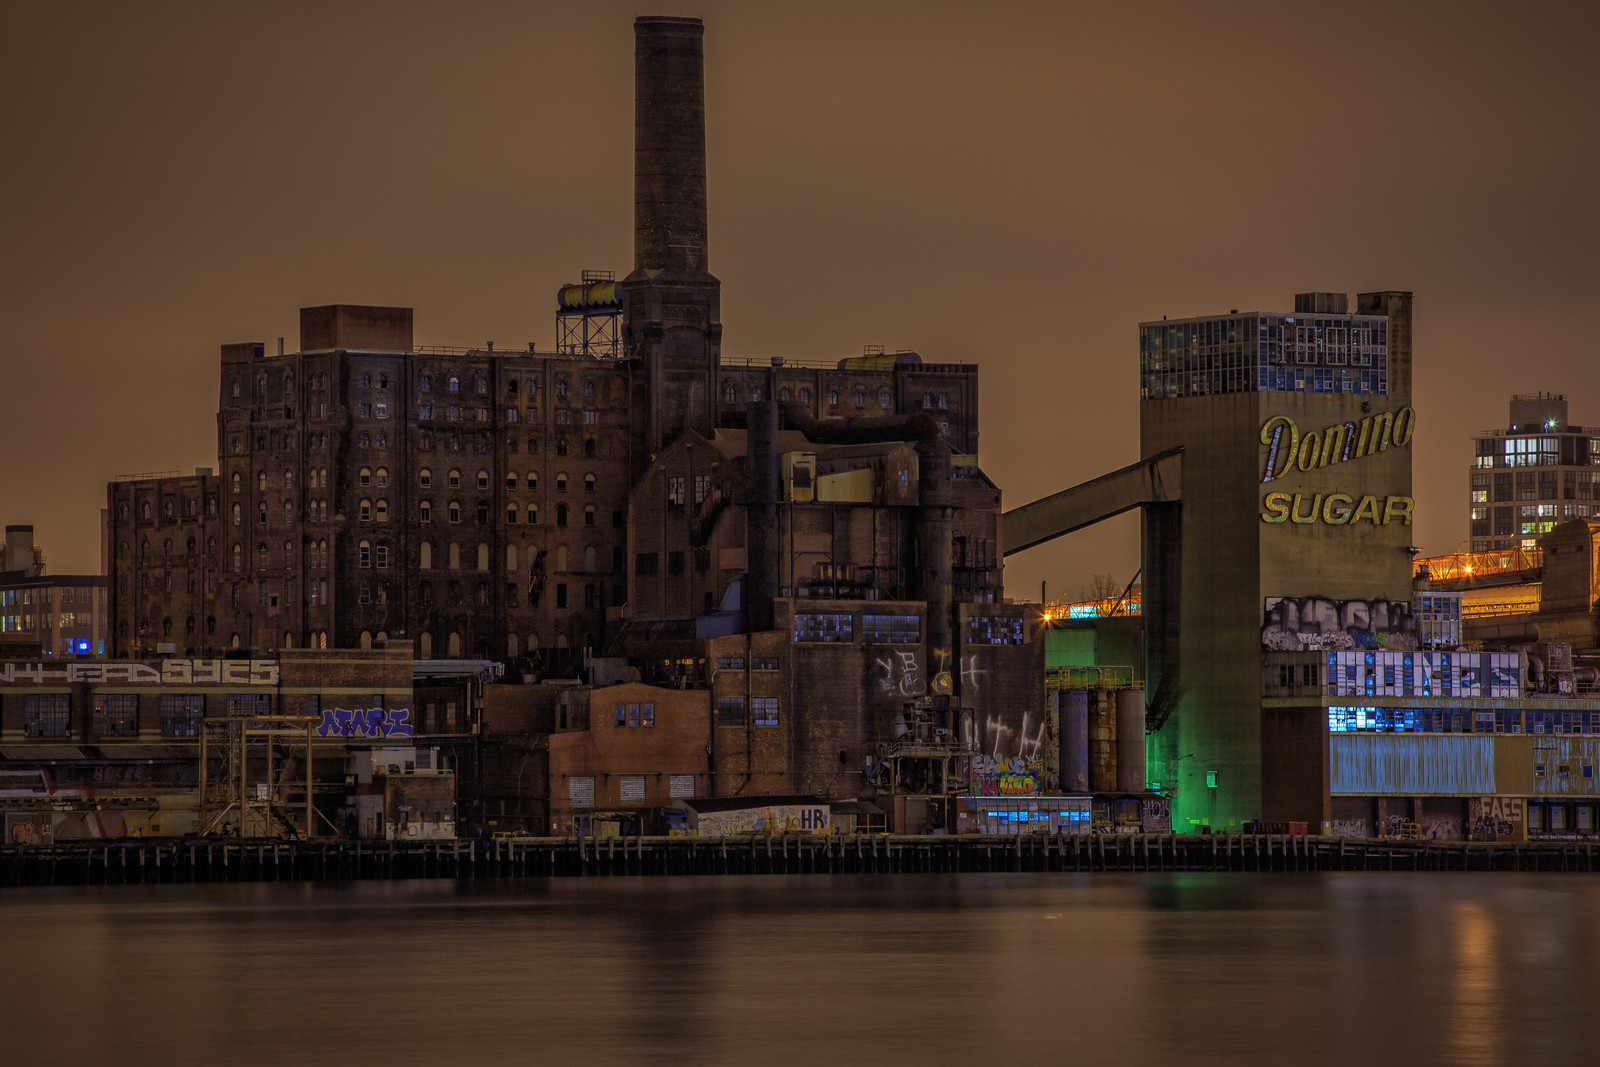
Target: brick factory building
[631, 494]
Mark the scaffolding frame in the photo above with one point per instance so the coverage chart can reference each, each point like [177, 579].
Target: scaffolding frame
[258, 803]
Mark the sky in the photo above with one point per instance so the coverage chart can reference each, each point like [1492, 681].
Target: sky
[1012, 185]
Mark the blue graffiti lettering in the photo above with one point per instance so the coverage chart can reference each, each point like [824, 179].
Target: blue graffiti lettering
[366, 722]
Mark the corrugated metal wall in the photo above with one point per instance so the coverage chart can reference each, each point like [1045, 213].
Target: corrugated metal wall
[1401, 765]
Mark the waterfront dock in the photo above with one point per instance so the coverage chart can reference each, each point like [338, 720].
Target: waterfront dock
[153, 861]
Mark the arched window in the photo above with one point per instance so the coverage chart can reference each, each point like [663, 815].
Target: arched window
[533, 480]
[454, 384]
[455, 479]
[533, 514]
[455, 511]
[483, 557]
[166, 548]
[425, 478]
[511, 479]
[288, 511]
[425, 555]
[561, 386]
[588, 558]
[383, 381]
[729, 394]
[512, 512]
[533, 446]
[366, 380]
[588, 514]
[365, 510]
[885, 399]
[589, 447]
[261, 481]
[561, 557]
[943, 401]
[380, 510]
[483, 511]
[861, 398]
[425, 644]
[235, 481]
[588, 387]
[511, 387]
[483, 386]
[561, 446]
[425, 510]
[425, 594]
[561, 482]
[455, 556]
[511, 559]
[927, 400]
[191, 546]
[366, 440]
[381, 477]
[454, 644]
[511, 445]
[288, 480]
[588, 483]
[425, 384]
[785, 395]
[833, 398]
[364, 554]
[561, 514]
[483, 479]
[261, 512]
[383, 439]
[805, 395]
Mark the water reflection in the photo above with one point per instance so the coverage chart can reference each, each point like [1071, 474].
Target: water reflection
[1167, 968]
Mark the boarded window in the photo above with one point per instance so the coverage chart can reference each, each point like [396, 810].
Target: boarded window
[580, 791]
[680, 785]
[632, 788]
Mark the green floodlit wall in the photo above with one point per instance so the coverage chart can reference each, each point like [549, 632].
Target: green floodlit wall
[1069, 648]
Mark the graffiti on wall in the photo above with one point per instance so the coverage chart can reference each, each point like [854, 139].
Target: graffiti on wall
[1001, 776]
[1442, 827]
[1348, 828]
[776, 819]
[898, 672]
[1317, 624]
[1155, 815]
[170, 672]
[365, 722]
[1495, 819]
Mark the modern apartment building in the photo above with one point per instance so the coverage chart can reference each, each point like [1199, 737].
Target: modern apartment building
[1538, 471]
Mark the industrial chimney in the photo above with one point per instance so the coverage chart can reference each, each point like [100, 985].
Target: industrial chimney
[669, 147]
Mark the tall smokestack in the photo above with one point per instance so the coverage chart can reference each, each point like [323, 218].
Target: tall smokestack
[669, 146]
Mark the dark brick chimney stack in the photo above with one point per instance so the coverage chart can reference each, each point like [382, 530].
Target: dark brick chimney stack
[669, 181]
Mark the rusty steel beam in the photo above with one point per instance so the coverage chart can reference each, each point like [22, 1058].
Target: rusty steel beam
[1158, 479]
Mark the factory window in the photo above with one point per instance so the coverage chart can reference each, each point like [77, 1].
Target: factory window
[891, 629]
[116, 715]
[675, 491]
[181, 715]
[730, 663]
[994, 630]
[764, 711]
[764, 663]
[730, 711]
[823, 627]
[702, 485]
[380, 555]
[380, 411]
[46, 715]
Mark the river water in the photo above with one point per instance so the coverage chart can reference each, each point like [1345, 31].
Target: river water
[929, 969]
